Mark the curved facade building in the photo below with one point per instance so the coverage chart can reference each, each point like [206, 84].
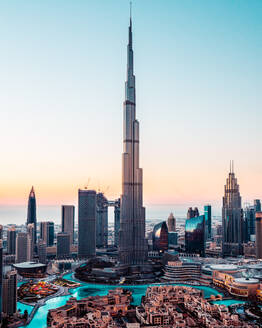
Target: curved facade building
[228, 278]
[195, 235]
[160, 237]
[31, 269]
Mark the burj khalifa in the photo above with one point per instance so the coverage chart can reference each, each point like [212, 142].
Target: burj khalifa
[132, 242]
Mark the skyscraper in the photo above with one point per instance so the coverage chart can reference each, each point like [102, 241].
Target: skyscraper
[47, 232]
[86, 223]
[63, 245]
[22, 247]
[257, 205]
[232, 217]
[171, 222]
[250, 223]
[41, 247]
[160, 237]
[132, 242]
[208, 217]
[31, 211]
[11, 240]
[30, 231]
[1, 279]
[9, 298]
[68, 220]
[259, 235]
[195, 235]
[101, 220]
[1, 231]
[116, 221]
[192, 213]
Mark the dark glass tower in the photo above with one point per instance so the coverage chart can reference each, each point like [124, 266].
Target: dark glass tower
[31, 211]
[160, 237]
[208, 216]
[132, 242]
[86, 223]
[232, 217]
[195, 235]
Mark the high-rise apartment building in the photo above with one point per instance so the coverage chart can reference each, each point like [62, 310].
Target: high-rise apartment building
[232, 218]
[47, 232]
[101, 220]
[23, 245]
[171, 223]
[63, 245]
[9, 293]
[208, 217]
[1, 231]
[31, 212]
[86, 223]
[132, 242]
[41, 248]
[68, 220]
[11, 241]
[259, 235]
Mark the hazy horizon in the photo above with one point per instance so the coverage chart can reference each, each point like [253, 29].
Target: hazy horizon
[198, 73]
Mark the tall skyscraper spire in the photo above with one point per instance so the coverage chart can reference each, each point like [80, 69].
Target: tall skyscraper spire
[232, 216]
[31, 212]
[132, 242]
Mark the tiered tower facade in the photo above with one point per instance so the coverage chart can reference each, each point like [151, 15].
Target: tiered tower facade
[132, 242]
[232, 217]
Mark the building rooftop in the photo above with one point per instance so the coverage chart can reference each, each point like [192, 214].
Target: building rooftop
[247, 281]
[27, 265]
[224, 267]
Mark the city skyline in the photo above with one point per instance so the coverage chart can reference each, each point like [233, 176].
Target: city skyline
[62, 125]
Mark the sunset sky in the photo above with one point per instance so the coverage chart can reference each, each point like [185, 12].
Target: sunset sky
[199, 79]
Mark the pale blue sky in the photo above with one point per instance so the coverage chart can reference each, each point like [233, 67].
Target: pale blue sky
[199, 77]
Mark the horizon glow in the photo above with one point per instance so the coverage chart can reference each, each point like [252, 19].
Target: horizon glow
[198, 81]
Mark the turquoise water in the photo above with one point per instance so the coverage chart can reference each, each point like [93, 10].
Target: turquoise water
[228, 302]
[23, 307]
[87, 289]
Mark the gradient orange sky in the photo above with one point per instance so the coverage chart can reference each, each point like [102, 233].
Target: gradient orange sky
[199, 78]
